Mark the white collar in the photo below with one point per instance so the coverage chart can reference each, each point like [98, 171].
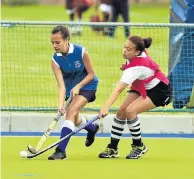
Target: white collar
[71, 49]
[143, 54]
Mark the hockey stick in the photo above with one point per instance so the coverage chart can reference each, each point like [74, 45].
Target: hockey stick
[48, 131]
[62, 139]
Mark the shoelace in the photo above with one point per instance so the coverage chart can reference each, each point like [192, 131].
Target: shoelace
[56, 153]
[107, 150]
[135, 150]
[132, 151]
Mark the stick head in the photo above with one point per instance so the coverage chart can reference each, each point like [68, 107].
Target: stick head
[31, 149]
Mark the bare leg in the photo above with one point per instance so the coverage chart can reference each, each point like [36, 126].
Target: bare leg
[138, 106]
[120, 120]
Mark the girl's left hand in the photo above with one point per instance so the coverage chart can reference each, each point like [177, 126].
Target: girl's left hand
[75, 91]
[61, 110]
[103, 112]
[122, 67]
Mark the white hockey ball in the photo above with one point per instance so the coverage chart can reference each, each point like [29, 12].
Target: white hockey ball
[23, 154]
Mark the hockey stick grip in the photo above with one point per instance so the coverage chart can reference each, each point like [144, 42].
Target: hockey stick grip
[51, 126]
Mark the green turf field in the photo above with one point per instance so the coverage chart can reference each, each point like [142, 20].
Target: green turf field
[138, 13]
[27, 79]
[166, 159]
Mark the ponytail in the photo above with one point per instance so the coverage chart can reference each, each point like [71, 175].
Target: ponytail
[147, 42]
[141, 43]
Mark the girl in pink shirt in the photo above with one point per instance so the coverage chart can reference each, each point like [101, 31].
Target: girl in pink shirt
[149, 89]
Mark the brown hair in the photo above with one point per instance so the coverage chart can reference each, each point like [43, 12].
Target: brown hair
[140, 43]
[64, 31]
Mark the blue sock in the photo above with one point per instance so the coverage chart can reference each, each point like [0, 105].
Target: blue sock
[68, 127]
[91, 127]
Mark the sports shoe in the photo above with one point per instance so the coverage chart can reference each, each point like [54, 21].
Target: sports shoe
[58, 155]
[91, 136]
[109, 153]
[137, 151]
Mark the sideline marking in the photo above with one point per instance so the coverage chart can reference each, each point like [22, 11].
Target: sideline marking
[56, 134]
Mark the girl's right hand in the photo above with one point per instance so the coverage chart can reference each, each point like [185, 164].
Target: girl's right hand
[62, 111]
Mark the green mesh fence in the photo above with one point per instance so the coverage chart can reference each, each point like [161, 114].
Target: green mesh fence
[27, 81]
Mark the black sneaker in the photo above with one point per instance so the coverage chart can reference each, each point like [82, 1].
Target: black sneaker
[58, 155]
[109, 153]
[91, 136]
[137, 151]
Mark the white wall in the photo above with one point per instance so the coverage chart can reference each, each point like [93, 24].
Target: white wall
[38, 122]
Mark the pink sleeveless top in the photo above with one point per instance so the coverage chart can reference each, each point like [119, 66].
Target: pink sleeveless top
[139, 85]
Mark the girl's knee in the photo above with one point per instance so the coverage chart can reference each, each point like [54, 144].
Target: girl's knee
[121, 114]
[130, 113]
[71, 113]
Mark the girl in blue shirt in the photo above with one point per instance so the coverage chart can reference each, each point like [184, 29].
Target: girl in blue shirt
[75, 76]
